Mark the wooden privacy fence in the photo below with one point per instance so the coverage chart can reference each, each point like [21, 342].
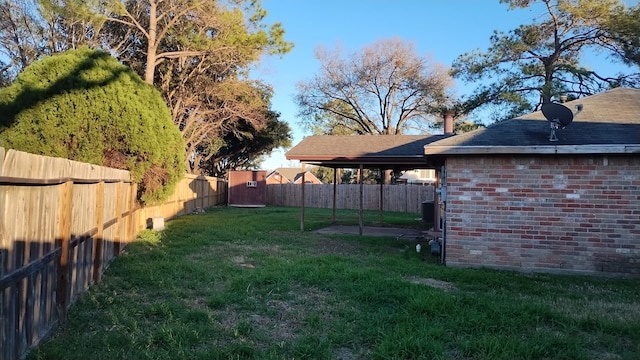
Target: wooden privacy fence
[192, 193]
[402, 198]
[61, 223]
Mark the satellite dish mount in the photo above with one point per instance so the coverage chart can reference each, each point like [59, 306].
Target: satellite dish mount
[559, 117]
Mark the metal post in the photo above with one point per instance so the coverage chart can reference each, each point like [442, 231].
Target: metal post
[335, 188]
[302, 200]
[361, 213]
[381, 196]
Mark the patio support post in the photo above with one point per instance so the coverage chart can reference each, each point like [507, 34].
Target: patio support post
[302, 199]
[381, 196]
[335, 187]
[361, 213]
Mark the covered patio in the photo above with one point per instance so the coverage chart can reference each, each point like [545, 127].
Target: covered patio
[388, 152]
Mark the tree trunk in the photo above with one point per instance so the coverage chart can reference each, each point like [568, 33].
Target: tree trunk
[386, 176]
[152, 46]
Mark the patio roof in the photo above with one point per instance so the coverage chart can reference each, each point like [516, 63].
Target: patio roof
[372, 151]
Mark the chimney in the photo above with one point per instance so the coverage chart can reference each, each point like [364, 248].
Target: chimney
[448, 122]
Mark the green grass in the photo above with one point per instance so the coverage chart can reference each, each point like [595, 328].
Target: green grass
[247, 284]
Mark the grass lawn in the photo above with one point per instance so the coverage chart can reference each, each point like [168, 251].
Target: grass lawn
[239, 283]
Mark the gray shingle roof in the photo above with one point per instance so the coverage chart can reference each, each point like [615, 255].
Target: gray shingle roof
[371, 150]
[608, 118]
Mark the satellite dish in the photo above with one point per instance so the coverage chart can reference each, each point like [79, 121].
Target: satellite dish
[557, 113]
[559, 117]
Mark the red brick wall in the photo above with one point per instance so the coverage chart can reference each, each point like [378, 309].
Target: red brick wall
[552, 213]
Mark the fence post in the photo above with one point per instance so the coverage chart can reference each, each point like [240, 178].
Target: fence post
[128, 221]
[117, 239]
[99, 237]
[133, 222]
[406, 199]
[64, 238]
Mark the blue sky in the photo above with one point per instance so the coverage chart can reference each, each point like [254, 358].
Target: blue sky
[442, 29]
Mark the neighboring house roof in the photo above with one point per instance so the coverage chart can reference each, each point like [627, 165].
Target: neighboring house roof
[404, 151]
[293, 174]
[608, 123]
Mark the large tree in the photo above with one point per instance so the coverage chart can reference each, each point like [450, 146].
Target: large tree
[528, 66]
[386, 88]
[86, 106]
[197, 53]
[244, 148]
[21, 34]
[31, 29]
[624, 29]
[184, 30]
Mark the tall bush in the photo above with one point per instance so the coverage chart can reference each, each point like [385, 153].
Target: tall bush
[86, 106]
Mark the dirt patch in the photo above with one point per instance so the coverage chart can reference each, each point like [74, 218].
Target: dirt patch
[344, 353]
[281, 322]
[386, 231]
[435, 283]
[274, 321]
[242, 261]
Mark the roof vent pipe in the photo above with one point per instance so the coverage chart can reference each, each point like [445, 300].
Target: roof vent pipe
[448, 122]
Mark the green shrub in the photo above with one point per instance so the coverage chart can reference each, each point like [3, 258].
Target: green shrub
[84, 105]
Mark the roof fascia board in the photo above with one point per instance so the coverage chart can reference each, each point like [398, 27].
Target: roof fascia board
[365, 159]
[545, 149]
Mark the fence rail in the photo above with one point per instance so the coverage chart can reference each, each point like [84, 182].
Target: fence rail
[401, 198]
[61, 223]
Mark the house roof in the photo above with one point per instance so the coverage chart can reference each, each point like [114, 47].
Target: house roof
[608, 123]
[291, 174]
[373, 151]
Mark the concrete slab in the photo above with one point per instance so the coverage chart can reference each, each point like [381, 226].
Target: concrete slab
[404, 233]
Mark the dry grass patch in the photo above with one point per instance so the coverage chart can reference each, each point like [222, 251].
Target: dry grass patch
[434, 283]
[275, 319]
[583, 309]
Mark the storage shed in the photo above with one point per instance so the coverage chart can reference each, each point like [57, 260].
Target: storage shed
[247, 188]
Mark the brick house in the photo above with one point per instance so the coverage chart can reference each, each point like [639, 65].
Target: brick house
[291, 176]
[515, 200]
